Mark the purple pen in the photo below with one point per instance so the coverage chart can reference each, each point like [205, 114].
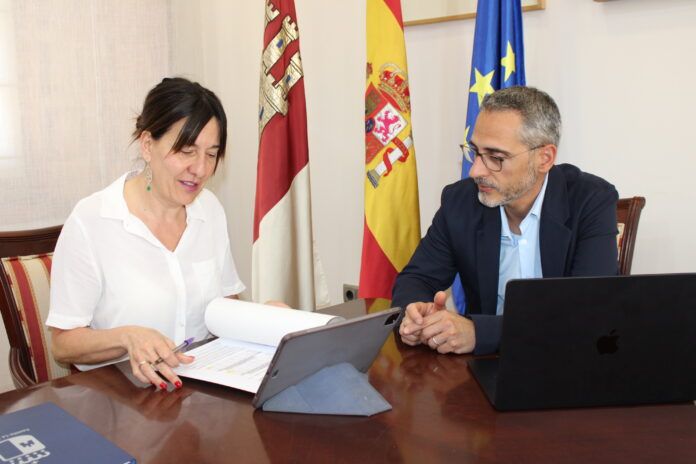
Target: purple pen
[183, 345]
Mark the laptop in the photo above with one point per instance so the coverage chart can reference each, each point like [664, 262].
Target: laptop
[594, 341]
[300, 354]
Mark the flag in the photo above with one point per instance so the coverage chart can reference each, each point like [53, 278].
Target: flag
[283, 257]
[497, 62]
[392, 221]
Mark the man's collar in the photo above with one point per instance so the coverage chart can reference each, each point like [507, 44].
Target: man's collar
[556, 199]
[539, 201]
[535, 211]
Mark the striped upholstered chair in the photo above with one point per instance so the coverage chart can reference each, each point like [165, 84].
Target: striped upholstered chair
[25, 268]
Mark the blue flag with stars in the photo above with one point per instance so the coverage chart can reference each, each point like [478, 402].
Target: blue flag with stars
[497, 62]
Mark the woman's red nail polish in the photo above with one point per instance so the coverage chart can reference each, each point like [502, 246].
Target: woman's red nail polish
[177, 384]
[163, 386]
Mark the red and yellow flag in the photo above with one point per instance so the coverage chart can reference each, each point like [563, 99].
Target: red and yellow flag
[392, 219]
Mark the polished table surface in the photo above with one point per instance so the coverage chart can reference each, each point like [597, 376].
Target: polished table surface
[439, 415]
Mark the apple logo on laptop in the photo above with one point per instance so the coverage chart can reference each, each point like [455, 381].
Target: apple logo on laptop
[608, 344]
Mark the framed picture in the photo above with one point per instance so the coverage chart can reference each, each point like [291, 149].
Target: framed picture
[435, 11]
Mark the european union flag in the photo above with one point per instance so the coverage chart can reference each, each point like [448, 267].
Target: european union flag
[497, 62]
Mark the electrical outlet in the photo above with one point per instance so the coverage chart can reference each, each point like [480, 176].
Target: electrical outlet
[350, 292]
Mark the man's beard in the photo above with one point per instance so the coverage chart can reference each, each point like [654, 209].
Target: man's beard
[511, 193]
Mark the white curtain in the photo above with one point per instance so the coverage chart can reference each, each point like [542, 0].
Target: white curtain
[73, 76]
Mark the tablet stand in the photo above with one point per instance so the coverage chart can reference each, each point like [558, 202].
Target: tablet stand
[339, 389]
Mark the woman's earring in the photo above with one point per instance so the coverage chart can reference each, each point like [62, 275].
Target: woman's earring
[148, 176]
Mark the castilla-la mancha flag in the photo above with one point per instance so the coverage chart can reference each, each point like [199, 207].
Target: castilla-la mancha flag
[283, 258]
[392, 220]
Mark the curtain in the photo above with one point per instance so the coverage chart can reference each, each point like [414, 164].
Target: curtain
[73, 76]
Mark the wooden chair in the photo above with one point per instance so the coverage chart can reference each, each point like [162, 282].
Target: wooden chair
[627, 216]
[24, 278]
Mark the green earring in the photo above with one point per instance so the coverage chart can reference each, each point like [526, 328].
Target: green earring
[148, 177]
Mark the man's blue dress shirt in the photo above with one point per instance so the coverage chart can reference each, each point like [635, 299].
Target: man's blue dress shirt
[519, 254]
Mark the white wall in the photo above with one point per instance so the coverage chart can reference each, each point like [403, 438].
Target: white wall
[620, 72]
[332, 38]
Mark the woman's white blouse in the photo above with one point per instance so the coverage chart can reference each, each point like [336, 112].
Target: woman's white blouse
[109, 270]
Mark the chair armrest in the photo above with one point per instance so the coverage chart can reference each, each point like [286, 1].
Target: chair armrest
[20, 377]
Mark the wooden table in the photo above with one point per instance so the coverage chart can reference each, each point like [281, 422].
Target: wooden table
[439, 415]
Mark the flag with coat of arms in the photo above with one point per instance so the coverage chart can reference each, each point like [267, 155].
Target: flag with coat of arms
[285, 265]
[497, 62]
[392, 219]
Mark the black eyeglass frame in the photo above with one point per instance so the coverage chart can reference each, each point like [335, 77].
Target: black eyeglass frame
[493, 158]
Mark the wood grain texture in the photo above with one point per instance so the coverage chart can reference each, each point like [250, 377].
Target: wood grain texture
[439, 415]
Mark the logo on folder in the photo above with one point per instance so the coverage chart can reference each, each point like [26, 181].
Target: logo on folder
[24, 449]
[63, 438]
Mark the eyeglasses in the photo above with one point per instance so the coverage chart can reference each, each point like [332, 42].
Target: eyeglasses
[492, 162]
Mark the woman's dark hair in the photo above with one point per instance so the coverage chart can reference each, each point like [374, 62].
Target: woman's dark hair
[176, 98]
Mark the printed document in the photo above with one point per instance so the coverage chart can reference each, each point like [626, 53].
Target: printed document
[249, 334]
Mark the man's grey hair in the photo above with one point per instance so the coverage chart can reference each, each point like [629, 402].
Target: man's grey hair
[541, 120]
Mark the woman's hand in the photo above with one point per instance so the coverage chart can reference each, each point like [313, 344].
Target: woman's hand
[151, 353]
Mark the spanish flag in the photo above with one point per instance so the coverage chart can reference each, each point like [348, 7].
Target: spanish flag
[392, 219]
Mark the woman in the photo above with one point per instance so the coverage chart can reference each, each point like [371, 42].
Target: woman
[137, 263]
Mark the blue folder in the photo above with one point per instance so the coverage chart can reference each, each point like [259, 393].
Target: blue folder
[46, 434]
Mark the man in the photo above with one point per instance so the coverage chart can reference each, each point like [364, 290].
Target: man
[516, 216]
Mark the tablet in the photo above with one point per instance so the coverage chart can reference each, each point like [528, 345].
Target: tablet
[300, 354]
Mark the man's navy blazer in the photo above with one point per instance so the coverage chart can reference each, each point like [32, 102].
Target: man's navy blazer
[577, 237]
